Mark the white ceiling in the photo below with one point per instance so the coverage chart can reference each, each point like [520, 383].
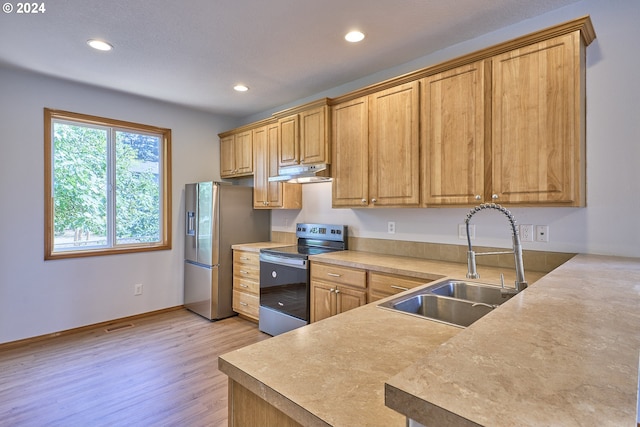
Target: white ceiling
[192, 52]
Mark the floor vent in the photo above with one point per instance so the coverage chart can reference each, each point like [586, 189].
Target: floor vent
[116, 328]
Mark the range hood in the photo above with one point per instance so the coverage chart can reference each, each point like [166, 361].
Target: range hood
[301, 174]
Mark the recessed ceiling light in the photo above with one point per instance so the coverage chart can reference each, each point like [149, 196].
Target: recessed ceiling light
[354, 36]
[240, 88]
[99, 45]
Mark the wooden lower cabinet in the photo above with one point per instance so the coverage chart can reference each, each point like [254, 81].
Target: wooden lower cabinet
[246, 409]
[246, 284]
[330, 299]
[382, 285]
[336, 289]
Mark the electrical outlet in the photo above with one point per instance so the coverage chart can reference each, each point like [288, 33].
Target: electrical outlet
[526, 233]
[542, 233]
[137, 289]
[391, 227]
[462, 231]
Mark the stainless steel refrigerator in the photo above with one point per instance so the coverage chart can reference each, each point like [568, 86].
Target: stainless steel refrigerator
[217, 215]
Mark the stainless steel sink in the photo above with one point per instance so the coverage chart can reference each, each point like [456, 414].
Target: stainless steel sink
[454, 302]
[448, 310]
[470, 291]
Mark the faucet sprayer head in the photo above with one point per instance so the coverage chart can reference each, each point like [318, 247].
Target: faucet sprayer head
[510, 217]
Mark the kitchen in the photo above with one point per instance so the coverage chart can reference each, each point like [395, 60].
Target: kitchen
[56, 300]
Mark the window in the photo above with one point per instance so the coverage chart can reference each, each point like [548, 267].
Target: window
[107, 186]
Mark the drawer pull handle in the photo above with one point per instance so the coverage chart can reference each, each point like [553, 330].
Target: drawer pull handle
[242, 285]
[244, 258]
[334, 274]
[244, 272]
[244, 303]
[401, 288]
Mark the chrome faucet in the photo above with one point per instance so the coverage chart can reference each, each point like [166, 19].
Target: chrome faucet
[520, 283]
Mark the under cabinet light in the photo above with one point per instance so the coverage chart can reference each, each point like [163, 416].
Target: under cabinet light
[240, 88]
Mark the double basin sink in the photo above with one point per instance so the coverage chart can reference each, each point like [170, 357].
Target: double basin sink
[455, 302]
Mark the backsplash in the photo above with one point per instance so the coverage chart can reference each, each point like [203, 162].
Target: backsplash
[533, 260]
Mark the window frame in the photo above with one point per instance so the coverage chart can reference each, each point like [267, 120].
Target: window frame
[165, 188]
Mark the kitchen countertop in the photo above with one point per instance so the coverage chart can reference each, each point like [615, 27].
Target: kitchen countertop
[255, 247]
[563, 352]
[554, 354]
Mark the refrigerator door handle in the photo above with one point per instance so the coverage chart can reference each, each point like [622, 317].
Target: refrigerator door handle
[191, 230]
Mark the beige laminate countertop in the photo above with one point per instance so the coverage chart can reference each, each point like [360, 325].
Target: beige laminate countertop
[255, 247]
[563, 352]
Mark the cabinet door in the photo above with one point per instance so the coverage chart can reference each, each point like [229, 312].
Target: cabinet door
[394, 146]
[452, 120]
[274, 189]
[350, 145]
[243, 148]
[289, 141]
[260, 168]
[314, 141]
[227, 156]
[348, 299]
[536, 134]
[323, 301]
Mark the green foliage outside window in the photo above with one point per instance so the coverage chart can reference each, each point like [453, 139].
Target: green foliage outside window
[81, 186]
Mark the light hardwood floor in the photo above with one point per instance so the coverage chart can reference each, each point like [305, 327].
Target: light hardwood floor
[161, 372]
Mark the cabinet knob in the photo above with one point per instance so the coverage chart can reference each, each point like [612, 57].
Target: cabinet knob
[332, 290]
[374, 200]
[494, 196]
[337, 291]
[364, 201]
[478, 197]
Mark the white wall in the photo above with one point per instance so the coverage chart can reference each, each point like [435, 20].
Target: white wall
[38, 297]
[609, 225]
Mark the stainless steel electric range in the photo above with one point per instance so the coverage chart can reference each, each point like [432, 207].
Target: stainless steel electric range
[284, 276]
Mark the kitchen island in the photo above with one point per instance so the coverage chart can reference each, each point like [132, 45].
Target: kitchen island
[568, 344]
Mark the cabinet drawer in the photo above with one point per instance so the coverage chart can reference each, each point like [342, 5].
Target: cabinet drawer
[246, 285]
[339, 274]
[390, 284]
[247, 304]
[246, 271]
[243, 257]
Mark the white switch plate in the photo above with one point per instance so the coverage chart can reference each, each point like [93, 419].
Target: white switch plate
[542, 233]
[137, 289]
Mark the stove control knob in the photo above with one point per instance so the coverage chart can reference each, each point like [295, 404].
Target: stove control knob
[274, 274]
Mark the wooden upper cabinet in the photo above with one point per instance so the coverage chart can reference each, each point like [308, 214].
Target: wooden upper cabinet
[452, 126]
[538, 123]
[236, 154]
[304, 136]
[376, 149]
[271, 195]
[350, 143]
[314, 136]
[227, 159]
[244, 153]
[394, 146]
[289, 140]
[260, 168]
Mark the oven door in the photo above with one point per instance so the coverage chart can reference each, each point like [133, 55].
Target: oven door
[284, 285]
